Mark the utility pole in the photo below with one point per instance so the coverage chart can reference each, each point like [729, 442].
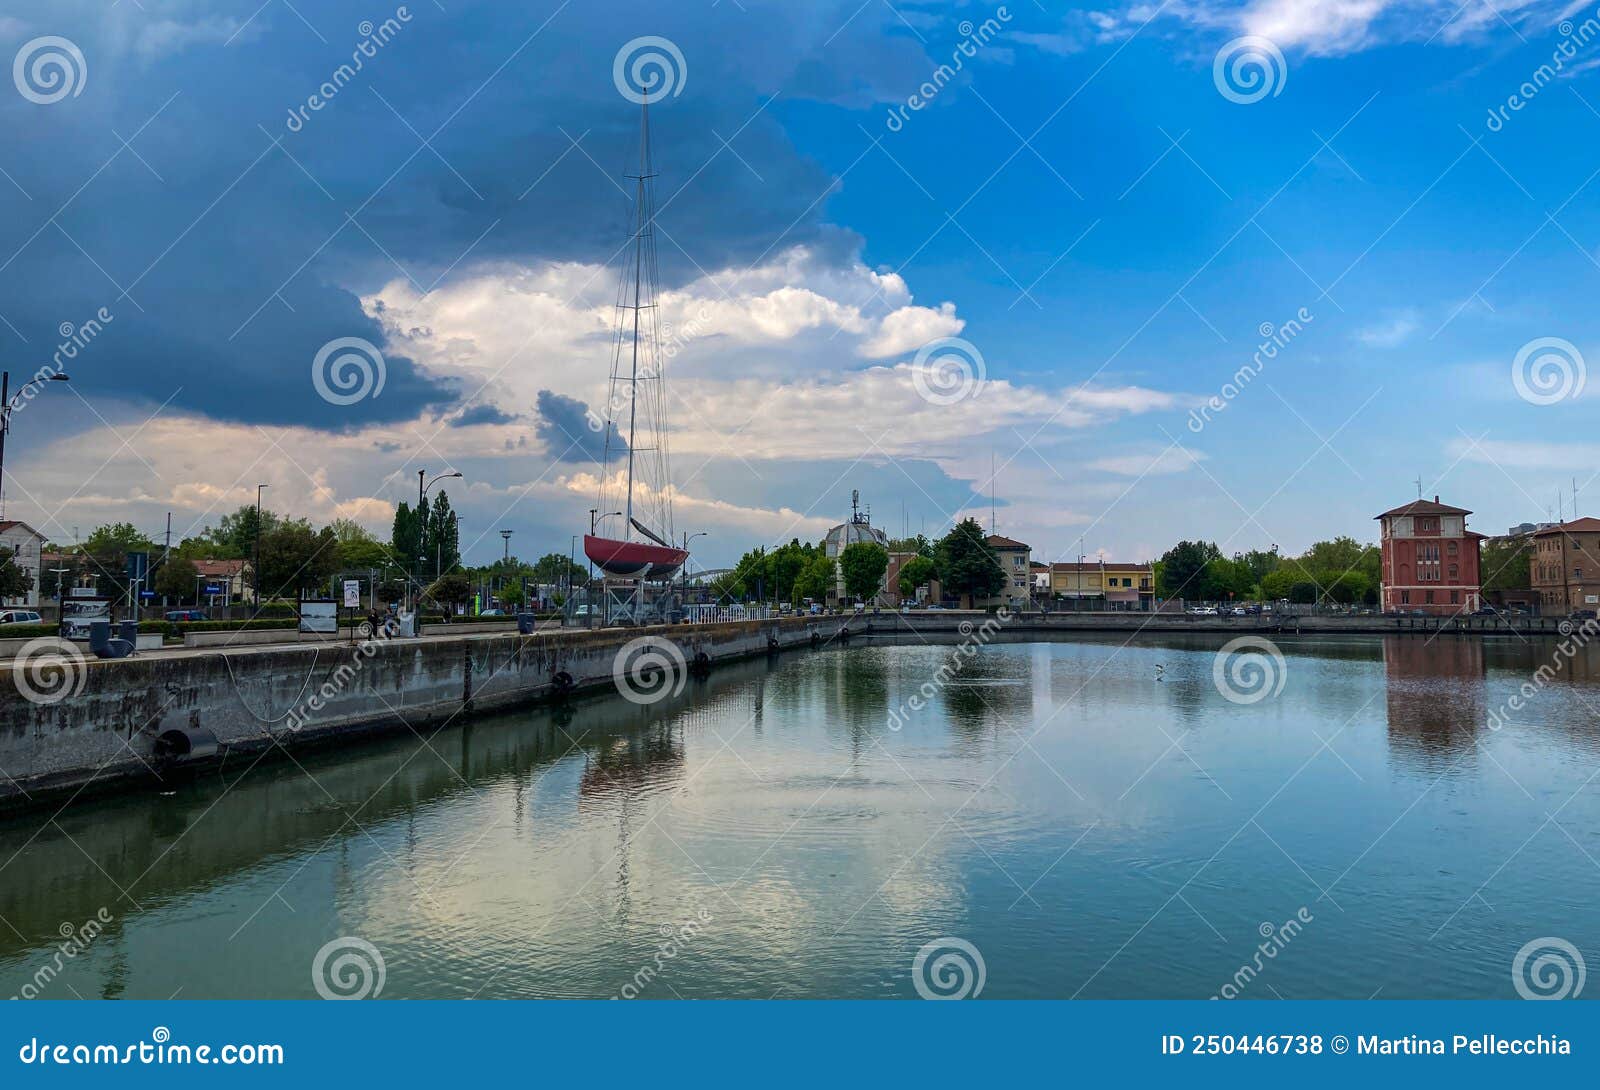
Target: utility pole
[255, 578]
[505, 535]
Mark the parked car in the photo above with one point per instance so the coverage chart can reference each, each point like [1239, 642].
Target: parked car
[177, 615]
[492, 613]
[1240, 611]
[20, 616]
[1583, 615]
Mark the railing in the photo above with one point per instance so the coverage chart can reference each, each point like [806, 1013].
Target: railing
[716, 614]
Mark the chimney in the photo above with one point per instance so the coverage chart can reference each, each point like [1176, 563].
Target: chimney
[1436, 499]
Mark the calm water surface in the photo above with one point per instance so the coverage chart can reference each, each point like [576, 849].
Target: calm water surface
[1094, 818]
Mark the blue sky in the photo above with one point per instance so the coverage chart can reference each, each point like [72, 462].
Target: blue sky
[1082, 203]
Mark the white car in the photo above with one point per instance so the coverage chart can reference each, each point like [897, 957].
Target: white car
[20, 616]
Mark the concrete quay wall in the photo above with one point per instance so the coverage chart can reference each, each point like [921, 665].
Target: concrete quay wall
[131, 720]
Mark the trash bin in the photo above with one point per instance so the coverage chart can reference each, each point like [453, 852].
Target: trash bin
[525, 624]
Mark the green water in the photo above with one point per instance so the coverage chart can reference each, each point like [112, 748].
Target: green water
[1095, 819]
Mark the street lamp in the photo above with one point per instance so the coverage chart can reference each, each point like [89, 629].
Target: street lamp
[8, 403]
[688, 537]
[255, 579]
[422, 530]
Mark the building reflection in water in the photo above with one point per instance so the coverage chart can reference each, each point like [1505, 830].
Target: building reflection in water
[1436, 701]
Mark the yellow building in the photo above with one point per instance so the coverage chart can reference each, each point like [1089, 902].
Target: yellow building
[1102, 584]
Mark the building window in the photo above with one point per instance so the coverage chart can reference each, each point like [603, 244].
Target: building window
[1455, 597]
[1427, 597]
[1405, 597]
[1452, 571]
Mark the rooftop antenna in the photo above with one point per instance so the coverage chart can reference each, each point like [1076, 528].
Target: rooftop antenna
[855, 505]
[1419, 487]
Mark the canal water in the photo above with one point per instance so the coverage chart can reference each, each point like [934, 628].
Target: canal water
[1093, 818]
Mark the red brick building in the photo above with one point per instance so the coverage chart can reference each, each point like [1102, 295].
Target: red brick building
[1430, 559]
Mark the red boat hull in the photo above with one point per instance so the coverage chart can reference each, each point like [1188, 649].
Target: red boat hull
[633, 559]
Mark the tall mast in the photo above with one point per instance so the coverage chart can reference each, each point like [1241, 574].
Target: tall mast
[638, 267]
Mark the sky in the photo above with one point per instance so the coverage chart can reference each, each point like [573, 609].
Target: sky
[1106, 276]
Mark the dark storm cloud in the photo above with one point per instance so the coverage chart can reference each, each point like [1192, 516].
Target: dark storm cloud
[481, 414]
[231, 236]
[565, 427]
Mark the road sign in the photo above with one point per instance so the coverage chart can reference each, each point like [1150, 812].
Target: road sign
[213, 588]
[352, 593]
[147, 594]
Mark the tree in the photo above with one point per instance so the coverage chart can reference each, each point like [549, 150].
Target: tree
[295, 557]
[913, 573]
[405, 537]
[814, 580]
[107, 550]
[1275, 586]
[237, 532]
[784, 565]
[14, 582]
[1184, 570]
[1260, 563]
[919, 545]
[1505, 564]
[444, 536]
[452, 589]
[966, 564]
[177, 578]
[863, 565]
[366, 552]
[511, 595]
[557, 569]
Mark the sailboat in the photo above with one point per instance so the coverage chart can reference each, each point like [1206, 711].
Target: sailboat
[645, 549]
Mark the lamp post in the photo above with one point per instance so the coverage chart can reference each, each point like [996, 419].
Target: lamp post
[593, 523]
[688, 537]
[422, 529]
[8, 403]
[255, 575]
